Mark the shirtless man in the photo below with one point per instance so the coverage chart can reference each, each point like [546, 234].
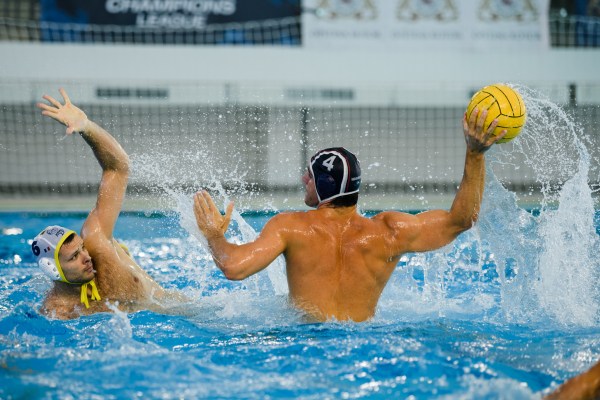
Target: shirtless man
[337, 261]
[93, 267]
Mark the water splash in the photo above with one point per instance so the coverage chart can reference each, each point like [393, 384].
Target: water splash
[510, 232]
[568, 265]
[546, 263]
[187, 166]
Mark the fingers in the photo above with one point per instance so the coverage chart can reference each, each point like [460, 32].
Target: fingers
[51, 110]
[199, 206]
[227, 218]
[473, 116]
[481, 120]
[52, 101]
[209, 218]
[500, 136]
[480, 138]
[47, 109]
[477, 124]
[210, 203]
[229, 208]
[474, 127]
[490, 131]
[65, 96]
[200, 214]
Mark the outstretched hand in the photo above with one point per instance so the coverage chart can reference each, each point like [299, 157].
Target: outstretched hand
[477, 139]
[208, 217]
[67, 114]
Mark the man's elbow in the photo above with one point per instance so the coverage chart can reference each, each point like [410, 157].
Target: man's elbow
[118, 165]
[233, 272]
[124, 165]
[233, 276]
[467, 223]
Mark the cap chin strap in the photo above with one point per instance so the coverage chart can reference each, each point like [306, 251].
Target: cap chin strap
[334, 197]
[84, 295]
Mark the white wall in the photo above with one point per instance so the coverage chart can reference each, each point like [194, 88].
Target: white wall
[442, 78]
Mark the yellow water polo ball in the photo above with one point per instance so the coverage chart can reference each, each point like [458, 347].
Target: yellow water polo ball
[503, 103]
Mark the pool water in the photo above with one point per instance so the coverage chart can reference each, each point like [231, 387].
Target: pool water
[442, 330]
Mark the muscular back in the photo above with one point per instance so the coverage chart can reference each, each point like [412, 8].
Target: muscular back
[338, 262]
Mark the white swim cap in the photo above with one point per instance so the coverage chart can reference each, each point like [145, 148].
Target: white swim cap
[46, 246]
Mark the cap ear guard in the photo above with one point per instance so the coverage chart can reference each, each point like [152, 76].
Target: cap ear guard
[46, 246]
[326, 185]
[48, 267]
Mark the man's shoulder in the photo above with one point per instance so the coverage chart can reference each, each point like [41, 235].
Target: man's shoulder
[393, 217]
[288, 217]
[293, 219]
[293, 214]
[58, 306]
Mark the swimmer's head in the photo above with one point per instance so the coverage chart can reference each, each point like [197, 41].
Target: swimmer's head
[46, 248]
[76, 261]
[336, 173]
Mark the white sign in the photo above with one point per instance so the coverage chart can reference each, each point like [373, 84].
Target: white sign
[425, 24]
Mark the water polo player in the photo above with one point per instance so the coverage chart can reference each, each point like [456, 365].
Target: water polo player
[337, 261]
[92, 269]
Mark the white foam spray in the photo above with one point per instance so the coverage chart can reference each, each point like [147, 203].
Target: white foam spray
[547, 263]
[196, 166]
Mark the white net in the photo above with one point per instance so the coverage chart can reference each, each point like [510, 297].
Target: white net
[251, 144]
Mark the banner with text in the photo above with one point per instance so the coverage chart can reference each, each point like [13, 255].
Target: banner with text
[425, 24]
[174, 15]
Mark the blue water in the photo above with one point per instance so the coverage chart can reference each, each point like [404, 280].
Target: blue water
[437, 334]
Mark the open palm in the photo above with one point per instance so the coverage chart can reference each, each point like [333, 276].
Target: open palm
[67, 114]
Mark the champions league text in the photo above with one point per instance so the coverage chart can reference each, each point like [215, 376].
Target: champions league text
[186, 14]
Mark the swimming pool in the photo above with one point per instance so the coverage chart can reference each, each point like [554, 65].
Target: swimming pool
[463, 322]
[509, 310]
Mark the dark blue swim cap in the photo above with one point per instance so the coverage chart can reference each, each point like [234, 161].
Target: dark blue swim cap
[336, 172]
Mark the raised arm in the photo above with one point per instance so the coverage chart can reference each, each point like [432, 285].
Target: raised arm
[111, 156]
[436, 228]
[236, 261]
